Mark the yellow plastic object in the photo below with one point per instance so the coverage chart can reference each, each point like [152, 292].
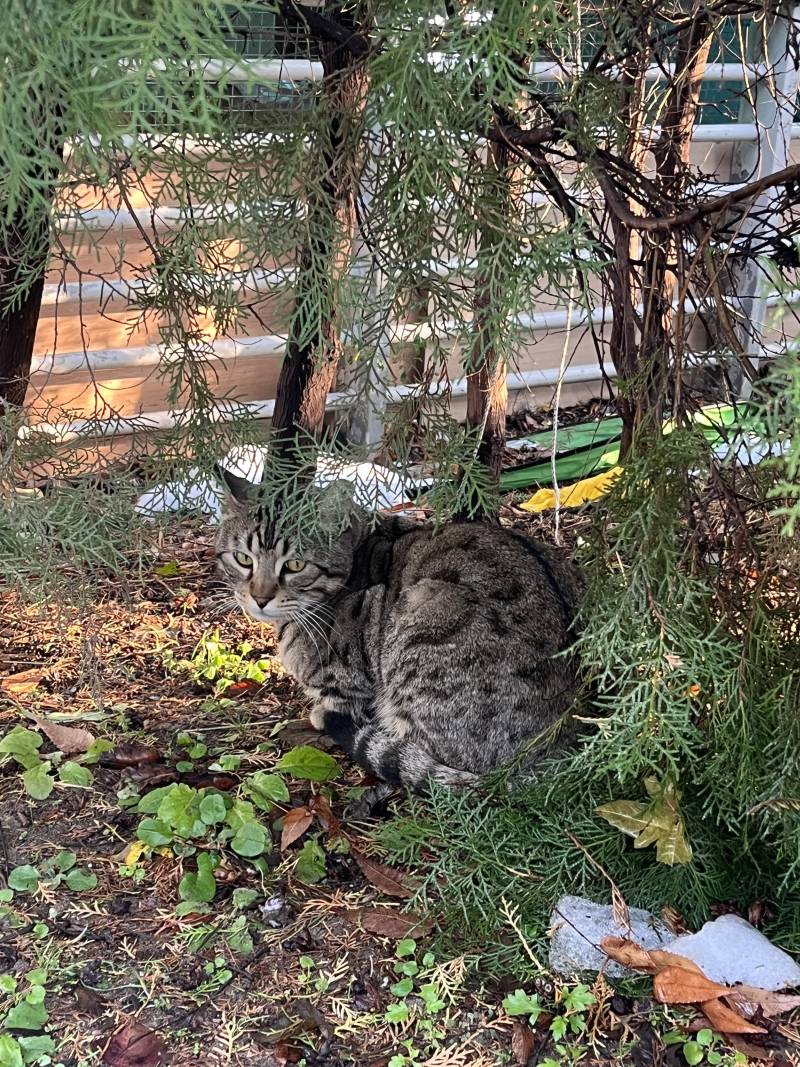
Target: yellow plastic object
[571, 496]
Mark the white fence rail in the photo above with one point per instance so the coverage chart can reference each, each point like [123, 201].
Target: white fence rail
[774, 113]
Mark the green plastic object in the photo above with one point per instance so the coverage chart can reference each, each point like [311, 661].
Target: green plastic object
[593, 447]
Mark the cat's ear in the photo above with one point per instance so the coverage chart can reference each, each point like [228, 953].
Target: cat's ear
[237, 491]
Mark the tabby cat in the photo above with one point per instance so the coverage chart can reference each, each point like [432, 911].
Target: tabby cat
[426, 654]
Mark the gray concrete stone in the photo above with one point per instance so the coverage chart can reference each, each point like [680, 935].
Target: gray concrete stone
[578, 926]
[729, 950]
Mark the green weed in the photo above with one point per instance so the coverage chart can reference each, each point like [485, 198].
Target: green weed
[212, 663]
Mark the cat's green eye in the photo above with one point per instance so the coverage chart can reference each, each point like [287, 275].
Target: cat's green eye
[295, 565]
[243, 559]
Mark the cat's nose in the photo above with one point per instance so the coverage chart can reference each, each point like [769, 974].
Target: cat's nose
[262, 602]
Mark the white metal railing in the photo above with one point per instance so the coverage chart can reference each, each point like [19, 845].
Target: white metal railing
[264, 345]
[748, 137]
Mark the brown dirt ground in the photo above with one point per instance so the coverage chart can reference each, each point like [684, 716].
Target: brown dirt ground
[118, 955]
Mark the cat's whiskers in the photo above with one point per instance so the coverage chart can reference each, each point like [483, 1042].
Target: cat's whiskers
[300, 621]
[316, 625]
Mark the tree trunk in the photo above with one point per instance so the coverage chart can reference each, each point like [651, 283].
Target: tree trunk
[314, 347]
[487, 392]
[662, 324]
[18, 322]
[644, 363]
[24, 254]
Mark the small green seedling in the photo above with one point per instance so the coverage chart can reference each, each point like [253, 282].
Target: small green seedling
[59, 869]
[212, 662]
[704, 1048]
[24, 1011]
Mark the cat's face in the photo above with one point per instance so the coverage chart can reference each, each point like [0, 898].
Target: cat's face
[271, 578]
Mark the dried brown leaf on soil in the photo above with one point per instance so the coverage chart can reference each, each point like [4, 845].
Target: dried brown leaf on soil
[322, 809]
[242, 689]
[134, 1045]
[756, 1052]
[386, 922]
[67, 739]
[131, 754]
[749, 999]
[523, 1042]
[22, 683]
[629, 954]
[389, 880]
[677, 985]
[677, 980]
[727, 1021]
[295, 824]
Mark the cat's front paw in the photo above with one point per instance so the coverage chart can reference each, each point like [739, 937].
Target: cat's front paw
[317, 718]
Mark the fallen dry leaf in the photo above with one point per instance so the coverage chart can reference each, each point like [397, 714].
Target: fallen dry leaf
[284, 1053]
[322, 809]
[677, 985]
[295, 824]
[386, 922]
[134, 1045]
[629, 954]
[754, 1052]
[242, 689]
[727, 1021]
[750, 999]
[390, 881]
[68, 739]
[132, 754]
[523, 1042]
[18, 685]
[677, 980]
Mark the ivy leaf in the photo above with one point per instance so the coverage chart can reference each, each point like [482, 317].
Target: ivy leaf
[310, 867]
[264, 788]
[212, 809]
[309, 763]
[149, 803]
[519, 1003]
[37, 781]
[154, 833]
[35, 1046]
[62, 861]
[74, 774]
[22, 745]
[406, 947]
[96, 750]
[250, 839]
[180, 809]
[10, 1052]
[693, 1053]
[402, 988]
[201, 886]
[24, 879]
[78, 880]
[239, 937]
[27, 1015]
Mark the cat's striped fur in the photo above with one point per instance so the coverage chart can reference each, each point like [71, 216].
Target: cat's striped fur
[425, 654]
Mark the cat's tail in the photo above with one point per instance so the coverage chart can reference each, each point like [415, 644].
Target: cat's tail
[396, 760]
